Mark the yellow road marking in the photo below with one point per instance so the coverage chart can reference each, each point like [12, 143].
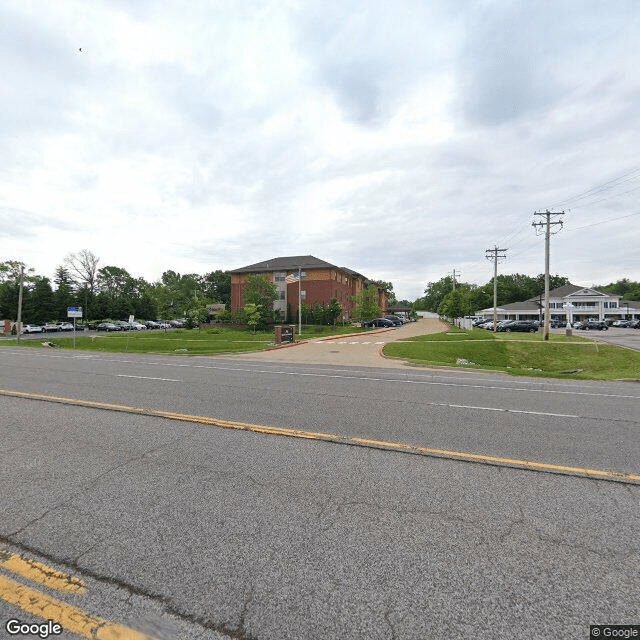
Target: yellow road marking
[70, 618]
[601, 474]
[38, 572]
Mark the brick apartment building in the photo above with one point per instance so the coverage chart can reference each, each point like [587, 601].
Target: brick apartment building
[321, 281]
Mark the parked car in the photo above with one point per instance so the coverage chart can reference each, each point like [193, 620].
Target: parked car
[65, 326]
[108, 326]
[378, 322]
[395, 319]
[150, 324]
[622, 324]
[32, 328]
[137, 326]
[51, 326]
[593, 325]
[529, 326]
[635, 324]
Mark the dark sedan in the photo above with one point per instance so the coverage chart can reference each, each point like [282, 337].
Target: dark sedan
[108, 326]
[527, 326]
[378, 322]
[593, 325]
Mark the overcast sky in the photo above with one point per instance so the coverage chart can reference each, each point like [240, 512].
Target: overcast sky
[401, 139]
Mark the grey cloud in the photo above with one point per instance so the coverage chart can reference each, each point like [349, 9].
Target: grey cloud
[369, 55]
[40, 71]
[523, 59]
[31, 224]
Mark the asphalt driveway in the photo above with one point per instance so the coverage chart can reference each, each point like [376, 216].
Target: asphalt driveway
[360, 349]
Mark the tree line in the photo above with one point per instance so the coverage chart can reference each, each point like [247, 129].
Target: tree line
[459, 299]
[111, 292]
[106, 292]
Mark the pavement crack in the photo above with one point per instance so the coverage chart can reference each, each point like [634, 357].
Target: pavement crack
[168, 605]
[95, 480]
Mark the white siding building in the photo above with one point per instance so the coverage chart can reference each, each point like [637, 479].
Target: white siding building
[569, 302]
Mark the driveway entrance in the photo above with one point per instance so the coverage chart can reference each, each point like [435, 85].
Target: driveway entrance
[356, 349]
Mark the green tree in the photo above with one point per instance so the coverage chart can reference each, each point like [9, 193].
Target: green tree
[333, 311]
[216, 286]
[197, 316]
[627, 288]
[436, 292]
[454, 305]
[254, 315]
[39, 302]
[366, 304]
[388, 288]
[64, 296]
[260, 291]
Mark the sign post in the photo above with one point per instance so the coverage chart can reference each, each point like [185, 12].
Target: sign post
[74, 312]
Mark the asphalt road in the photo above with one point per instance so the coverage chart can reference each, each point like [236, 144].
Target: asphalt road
[184, 530]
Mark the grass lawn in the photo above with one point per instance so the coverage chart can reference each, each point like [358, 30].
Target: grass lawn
[521, 354]
[210, 341]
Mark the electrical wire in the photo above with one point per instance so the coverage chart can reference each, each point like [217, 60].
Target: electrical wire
[631, 175]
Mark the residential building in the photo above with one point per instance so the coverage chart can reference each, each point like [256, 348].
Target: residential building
[569, 302]
[321, 281]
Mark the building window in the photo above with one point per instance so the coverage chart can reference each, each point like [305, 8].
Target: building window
[282, 294]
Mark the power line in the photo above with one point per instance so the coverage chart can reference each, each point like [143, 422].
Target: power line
[632, 174]
[595, 224]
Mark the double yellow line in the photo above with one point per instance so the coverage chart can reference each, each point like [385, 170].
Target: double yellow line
[598, 474]
[42, 605]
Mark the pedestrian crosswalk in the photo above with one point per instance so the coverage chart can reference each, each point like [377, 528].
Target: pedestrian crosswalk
[334, 342]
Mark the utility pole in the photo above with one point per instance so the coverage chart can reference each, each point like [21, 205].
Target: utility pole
[454, 278]
[300, 301]
[547, 241]
[495, 254]
[19, 320]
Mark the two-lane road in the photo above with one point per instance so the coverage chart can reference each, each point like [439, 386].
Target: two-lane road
[189, 526]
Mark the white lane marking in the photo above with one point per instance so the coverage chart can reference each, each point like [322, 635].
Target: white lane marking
[349, 377]
[531, 413]
[122, 375]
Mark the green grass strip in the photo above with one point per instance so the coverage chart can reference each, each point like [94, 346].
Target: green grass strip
[521, 354]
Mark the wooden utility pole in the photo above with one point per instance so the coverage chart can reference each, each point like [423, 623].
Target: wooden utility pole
[454, 278]
[495, 254]
[547, 242]
[19, 319]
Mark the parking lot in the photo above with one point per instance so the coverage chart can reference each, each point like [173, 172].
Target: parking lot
[628, 338]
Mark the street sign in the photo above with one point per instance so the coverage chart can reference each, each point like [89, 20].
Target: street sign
[74, 312]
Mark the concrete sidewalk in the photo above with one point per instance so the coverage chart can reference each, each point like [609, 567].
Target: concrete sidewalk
[354, 350]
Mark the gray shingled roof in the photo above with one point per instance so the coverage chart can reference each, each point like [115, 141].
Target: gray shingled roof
[293, 263]
[286, 263]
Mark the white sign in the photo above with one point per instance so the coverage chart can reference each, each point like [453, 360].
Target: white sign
[130, 319]
[74, 312]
